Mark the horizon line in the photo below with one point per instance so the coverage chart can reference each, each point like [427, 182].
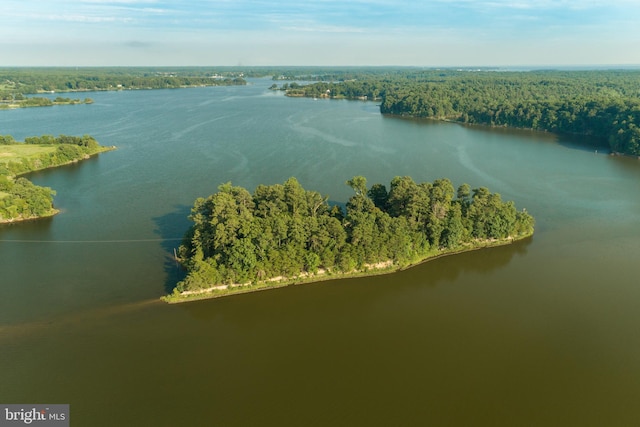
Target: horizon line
[531, 66]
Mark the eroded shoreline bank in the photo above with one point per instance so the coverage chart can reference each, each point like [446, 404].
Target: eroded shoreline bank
[381, 268]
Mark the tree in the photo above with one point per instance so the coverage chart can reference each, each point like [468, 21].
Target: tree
[379, 195]
[454, 230]
[401, 192]
[7, 140]
[294, 196]
[359, 185]
[464, 192]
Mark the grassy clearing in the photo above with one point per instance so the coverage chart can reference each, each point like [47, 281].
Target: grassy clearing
[18, 152]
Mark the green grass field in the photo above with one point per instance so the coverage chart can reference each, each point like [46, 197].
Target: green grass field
[17, 152]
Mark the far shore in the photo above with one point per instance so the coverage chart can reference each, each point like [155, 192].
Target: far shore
[381, 268]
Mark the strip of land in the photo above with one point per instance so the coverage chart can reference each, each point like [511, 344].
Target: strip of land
[381, 268]
[38, 101]
[20, 199]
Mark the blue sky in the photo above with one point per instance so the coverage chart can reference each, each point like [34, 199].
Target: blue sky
[320, 32]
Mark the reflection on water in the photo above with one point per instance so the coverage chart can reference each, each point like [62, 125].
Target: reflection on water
[479, 263]
[435, 272]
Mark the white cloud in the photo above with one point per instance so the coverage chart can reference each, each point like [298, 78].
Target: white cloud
[317, 28]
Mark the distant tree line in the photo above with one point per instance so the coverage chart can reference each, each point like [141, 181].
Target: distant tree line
[340, 74]
[600, 104]
[16, 82]
[285, 230]
[86, 141]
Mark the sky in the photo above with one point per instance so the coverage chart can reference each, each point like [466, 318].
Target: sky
[428, 33]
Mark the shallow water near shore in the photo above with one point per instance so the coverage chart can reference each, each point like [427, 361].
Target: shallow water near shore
[541, 332]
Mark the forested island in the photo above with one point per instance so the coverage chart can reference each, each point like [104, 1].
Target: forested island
[283, 234]
[20, 199]
[599, 104]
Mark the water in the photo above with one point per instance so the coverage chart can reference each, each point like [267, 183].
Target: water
[542, 332]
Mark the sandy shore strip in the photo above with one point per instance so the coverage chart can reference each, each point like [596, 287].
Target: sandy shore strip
[385, 267]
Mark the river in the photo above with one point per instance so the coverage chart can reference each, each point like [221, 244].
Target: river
[541, 332]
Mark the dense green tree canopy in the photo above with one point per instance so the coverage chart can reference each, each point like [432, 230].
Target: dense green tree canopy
[23, 199]
[284, 230]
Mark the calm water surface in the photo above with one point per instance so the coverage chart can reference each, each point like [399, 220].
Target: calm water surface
[542, 333]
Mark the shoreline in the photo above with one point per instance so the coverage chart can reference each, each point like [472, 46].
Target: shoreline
[22, 219]
[102, 149]
[53, 212]
[15, 106]
[604, 145]
[379, 269]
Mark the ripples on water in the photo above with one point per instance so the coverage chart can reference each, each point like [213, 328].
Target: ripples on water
[542, 332]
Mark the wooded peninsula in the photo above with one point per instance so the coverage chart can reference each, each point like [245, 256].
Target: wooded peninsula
[20, 199]
[284, 234]
[600, 104]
